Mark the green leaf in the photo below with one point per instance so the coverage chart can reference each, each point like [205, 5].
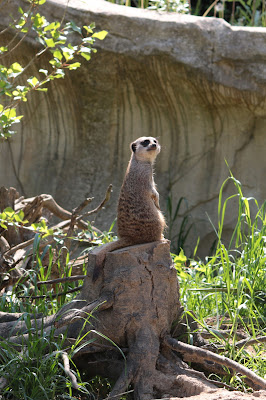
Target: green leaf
[3, 49]
[50, 42]
[57, 54]
[52, 26]
[100, 35]
[87, 56]
[75, 28]
[55, 63]
[16, 67]
[88, 29]
[42, 89]
[21, 23]
[33, 81]
[10, 112]
[74, 65]
[38, 21]
[21, 215]
[9, 211]
[44, 71]
[59, 73]
[67, 55]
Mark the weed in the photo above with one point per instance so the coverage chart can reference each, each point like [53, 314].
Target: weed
[229, 288]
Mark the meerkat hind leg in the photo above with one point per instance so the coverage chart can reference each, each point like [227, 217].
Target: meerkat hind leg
[100, 257]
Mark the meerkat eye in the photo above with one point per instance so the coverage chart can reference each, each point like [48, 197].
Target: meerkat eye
[145, 143]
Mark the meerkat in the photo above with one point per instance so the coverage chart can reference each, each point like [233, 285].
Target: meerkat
[139, 218]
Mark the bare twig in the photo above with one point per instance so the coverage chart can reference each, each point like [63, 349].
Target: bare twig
[26, 244]
[84, 204]
[70, 374]
[51, 295]
[223, 333]
[101, 205]
[59, 280]
[199, 355]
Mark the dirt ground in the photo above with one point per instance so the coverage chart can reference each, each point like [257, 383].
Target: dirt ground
[222, 394]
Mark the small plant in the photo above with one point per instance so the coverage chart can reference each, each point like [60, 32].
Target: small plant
[237, 12]
[54, 39]
[230, 286]
[227, 291]
[35, 371]
[179, 6]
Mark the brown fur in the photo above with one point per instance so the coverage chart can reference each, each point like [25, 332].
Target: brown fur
[139, 219]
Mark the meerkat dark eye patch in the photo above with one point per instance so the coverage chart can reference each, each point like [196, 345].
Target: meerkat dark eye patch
[145, 143]
[133, 147]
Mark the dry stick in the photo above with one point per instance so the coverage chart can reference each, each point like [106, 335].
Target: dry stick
[51, 295]
[101, 205]
[25, 244]
[225, 333]
[9, 317]
[73, 221]
[199, 355]
[75, 218]
[48, 202]
[70, 374]
[59, 280]
[103, 303]
[4, 245]
[250, 341]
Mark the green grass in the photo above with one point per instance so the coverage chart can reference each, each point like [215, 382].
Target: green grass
[229, 288]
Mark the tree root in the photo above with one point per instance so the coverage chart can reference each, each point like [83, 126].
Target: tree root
[202, 356]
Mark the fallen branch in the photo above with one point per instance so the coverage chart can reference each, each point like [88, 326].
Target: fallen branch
[9, 317]
[199, 355]
[251, 341]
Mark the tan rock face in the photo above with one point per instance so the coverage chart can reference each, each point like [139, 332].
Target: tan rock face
[196, 83]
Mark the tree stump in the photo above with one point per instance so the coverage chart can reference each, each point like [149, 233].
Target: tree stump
[127, 315]
[138, 300]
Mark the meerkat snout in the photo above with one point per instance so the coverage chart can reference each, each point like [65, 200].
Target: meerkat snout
[143, 145]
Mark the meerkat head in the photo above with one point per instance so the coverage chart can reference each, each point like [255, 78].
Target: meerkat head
[145, 148]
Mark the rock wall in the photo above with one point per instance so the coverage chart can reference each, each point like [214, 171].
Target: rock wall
[196, 83]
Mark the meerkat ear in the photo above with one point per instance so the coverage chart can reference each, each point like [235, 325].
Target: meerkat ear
[133, 146]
